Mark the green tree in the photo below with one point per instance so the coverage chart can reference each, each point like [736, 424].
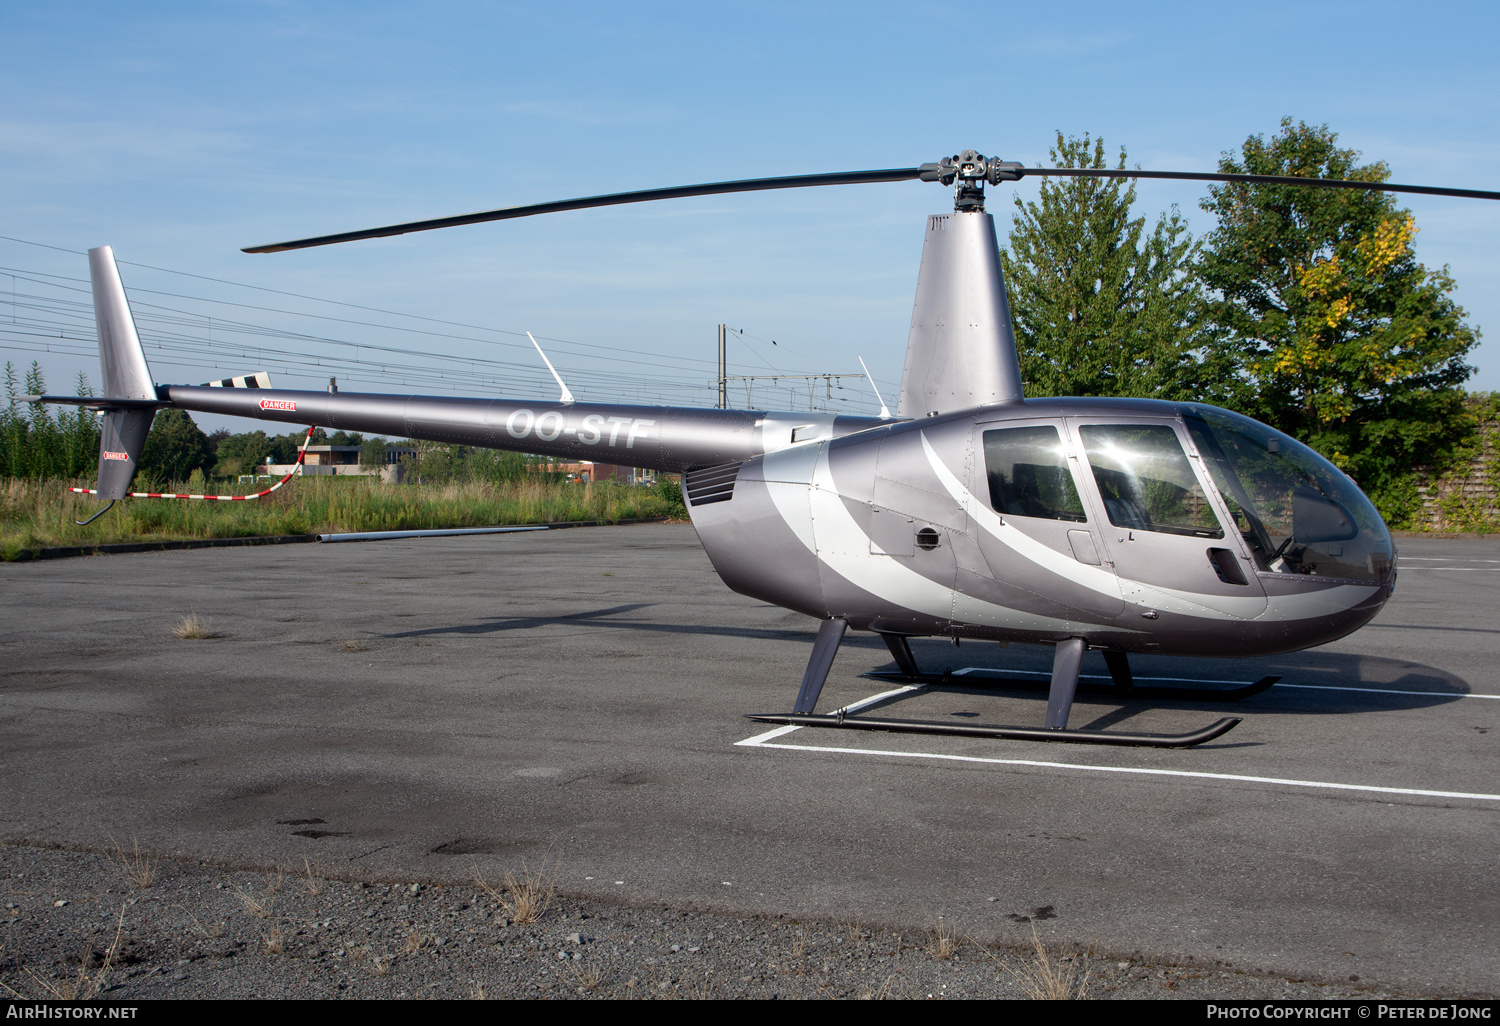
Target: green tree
[372, 453]
[284, 447]
[497, 465]
[240, 454]
[1099, 305]
[1348, 342]
[175, 447]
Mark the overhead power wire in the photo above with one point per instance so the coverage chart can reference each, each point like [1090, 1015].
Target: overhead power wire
[336, 302]
[54, 324]
[196, 320]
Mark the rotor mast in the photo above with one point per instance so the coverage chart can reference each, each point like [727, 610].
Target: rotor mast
[961, 352]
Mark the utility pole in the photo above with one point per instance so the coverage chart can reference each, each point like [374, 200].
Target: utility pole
[723, 372]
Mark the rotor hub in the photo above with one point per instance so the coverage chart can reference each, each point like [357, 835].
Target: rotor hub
[967, 172]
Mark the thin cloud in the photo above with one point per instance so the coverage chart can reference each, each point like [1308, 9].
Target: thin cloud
[90, 151]
[1056, 45]
[592, 112]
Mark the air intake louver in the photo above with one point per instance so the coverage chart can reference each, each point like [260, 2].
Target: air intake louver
[712, 484]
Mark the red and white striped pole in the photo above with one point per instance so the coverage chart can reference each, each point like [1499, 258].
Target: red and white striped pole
[301, 453]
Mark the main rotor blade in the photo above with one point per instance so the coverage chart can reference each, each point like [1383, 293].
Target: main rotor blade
[1198, 176]
[710, 189]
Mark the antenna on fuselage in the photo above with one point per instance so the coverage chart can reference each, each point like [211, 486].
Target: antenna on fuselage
[885, 413]
[567, 396]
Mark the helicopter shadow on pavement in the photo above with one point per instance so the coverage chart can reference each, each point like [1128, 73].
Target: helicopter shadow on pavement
[609, 617]
[1313, 681]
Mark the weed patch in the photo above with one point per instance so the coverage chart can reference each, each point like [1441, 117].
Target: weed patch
[139, 868]
[192, 628]
[524, 899]
[1045, 977]
[942, 940]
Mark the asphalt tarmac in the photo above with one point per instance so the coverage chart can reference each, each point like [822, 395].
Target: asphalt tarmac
[420, 710]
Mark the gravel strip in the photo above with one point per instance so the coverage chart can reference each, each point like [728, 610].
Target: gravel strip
[172, 929]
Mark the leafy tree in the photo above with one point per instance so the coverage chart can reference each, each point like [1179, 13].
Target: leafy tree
[498, 466]
[435, 462]
[372, 453]
[284, 447]
[1349, 343]
[240, 454]
[346, 438]
[1099, 306]
[175, 447]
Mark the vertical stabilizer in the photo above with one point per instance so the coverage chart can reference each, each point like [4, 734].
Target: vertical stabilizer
[960, 352]
[122, 435]
[122, 364]
[121, 360]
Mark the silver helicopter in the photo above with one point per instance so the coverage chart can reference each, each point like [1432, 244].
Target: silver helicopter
[1122, 525]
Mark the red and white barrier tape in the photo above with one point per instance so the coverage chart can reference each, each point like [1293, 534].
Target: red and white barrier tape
[301, 453]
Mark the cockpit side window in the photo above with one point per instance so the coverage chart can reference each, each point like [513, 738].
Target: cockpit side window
[1029, 476]
[1146, 481]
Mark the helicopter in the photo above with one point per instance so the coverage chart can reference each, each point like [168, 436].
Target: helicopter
[1126, 526]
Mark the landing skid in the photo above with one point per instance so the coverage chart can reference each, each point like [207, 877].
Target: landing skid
[1081, 737]
[1146, 691]
[1066, 663]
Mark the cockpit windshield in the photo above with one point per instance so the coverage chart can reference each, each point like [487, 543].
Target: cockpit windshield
[1299, 513]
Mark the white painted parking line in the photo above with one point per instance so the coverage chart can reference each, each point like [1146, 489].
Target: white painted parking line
[1387, 691]
[1137, 771]
[864, 703]
[765, 741]
[1086, 676]
[770, 735]
[1199, 680]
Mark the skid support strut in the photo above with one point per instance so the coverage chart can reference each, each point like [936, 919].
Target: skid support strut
[825, 647]
[1067, 660]
[901, 652]
[1119, 671]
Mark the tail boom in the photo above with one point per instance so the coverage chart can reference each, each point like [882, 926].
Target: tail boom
[665, 438]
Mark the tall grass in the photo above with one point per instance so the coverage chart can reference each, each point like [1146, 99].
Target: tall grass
[38, 514]
[37, 443]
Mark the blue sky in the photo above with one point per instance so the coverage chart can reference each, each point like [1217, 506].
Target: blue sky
[178, 133]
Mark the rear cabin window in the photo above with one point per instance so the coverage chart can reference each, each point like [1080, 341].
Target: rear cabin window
[1029, 475]
[1146, 481]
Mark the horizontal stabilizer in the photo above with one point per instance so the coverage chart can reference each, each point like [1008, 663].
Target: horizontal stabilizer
[97, 403]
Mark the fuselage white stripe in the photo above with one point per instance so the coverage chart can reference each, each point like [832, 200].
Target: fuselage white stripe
[816, 514]
[1093, 578]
